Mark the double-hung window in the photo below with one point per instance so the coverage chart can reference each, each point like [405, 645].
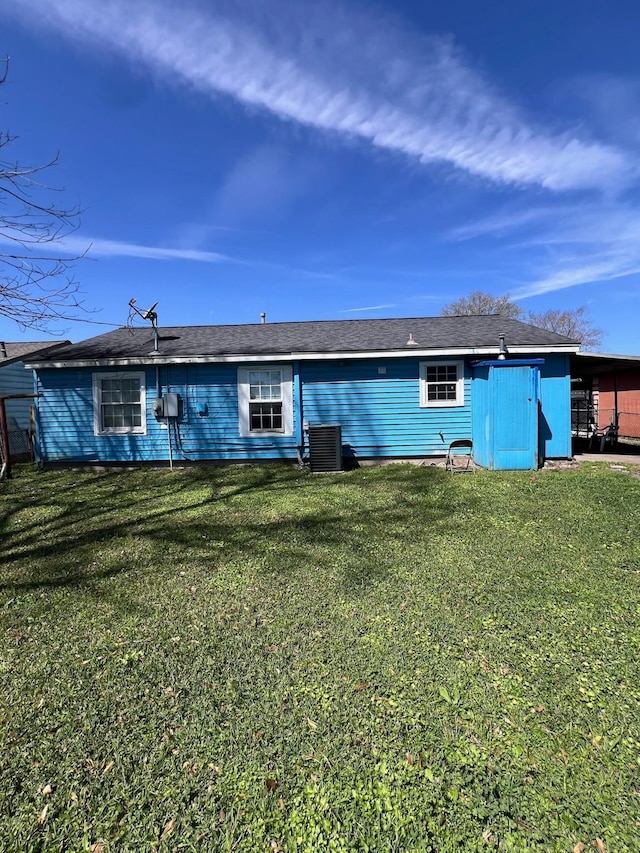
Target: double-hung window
[441, 383]
[119, 404]
[264, 401]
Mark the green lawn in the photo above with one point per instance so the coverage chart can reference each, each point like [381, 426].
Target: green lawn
[256, 659]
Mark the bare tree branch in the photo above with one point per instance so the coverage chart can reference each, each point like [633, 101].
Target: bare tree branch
[575, 323]
[37, 288]
[480, 302]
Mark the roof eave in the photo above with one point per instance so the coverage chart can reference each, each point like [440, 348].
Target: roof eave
[24, 357]
[226, 358]
[607, 355]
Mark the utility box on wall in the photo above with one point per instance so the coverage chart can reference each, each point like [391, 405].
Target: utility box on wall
[171, 405]
[167, 406]
[506, 403]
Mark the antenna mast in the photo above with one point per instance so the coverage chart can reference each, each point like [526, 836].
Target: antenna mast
[152, 316]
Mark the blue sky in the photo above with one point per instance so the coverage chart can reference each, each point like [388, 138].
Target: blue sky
[336, 160]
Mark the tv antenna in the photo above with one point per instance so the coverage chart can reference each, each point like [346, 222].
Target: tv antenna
[150, 314]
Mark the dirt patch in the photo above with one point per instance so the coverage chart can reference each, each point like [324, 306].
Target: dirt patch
[560, 464]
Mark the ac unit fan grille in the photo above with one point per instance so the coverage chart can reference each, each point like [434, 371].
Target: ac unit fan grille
[325, 448]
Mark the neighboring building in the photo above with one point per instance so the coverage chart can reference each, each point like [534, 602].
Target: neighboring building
[399, 388]
[605, 390]
[15, 379]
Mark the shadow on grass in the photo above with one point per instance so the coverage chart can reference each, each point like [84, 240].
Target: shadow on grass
[78, 529]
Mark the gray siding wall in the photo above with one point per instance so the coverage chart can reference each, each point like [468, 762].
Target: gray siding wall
[14, 379]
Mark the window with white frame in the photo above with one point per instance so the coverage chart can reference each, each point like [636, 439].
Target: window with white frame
[441, 383]
[265, 401]
[119, 404]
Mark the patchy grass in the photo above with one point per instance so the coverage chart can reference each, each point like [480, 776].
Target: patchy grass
[255, 659]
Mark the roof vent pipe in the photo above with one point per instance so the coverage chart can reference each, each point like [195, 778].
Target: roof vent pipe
[502, 350]
[263, 317]
[411, 342]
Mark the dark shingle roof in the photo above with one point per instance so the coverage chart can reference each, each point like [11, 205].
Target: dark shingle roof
[10, 351]
[323, 336]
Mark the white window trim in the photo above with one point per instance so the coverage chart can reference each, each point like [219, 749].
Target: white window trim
[97, 404]
[287, 402]
[441, 404]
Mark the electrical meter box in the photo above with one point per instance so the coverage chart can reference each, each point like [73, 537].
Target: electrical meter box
[171, 405]
[167, 406]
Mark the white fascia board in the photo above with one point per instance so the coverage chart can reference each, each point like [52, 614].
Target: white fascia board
[151, 360]
[611, 356]
[457, 352]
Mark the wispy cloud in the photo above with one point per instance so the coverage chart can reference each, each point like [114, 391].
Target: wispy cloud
[599, 269]
[367, 308]
[503, 223]
[565, 246]
[335, 69]
[99, 248]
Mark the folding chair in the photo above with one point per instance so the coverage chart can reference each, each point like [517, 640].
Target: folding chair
[460, 456]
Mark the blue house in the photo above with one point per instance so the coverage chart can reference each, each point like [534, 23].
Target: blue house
[398, 388]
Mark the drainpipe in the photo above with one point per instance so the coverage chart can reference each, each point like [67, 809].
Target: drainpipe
[298, 412]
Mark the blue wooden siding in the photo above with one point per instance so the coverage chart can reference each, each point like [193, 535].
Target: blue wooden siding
[481, 417]
[555, 407]
[207, 428]
[65, 422]
[380, 414]
[215, 435]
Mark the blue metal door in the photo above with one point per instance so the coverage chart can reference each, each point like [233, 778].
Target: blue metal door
[514, 392]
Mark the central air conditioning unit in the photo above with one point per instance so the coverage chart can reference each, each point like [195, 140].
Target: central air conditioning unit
[325, 448]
